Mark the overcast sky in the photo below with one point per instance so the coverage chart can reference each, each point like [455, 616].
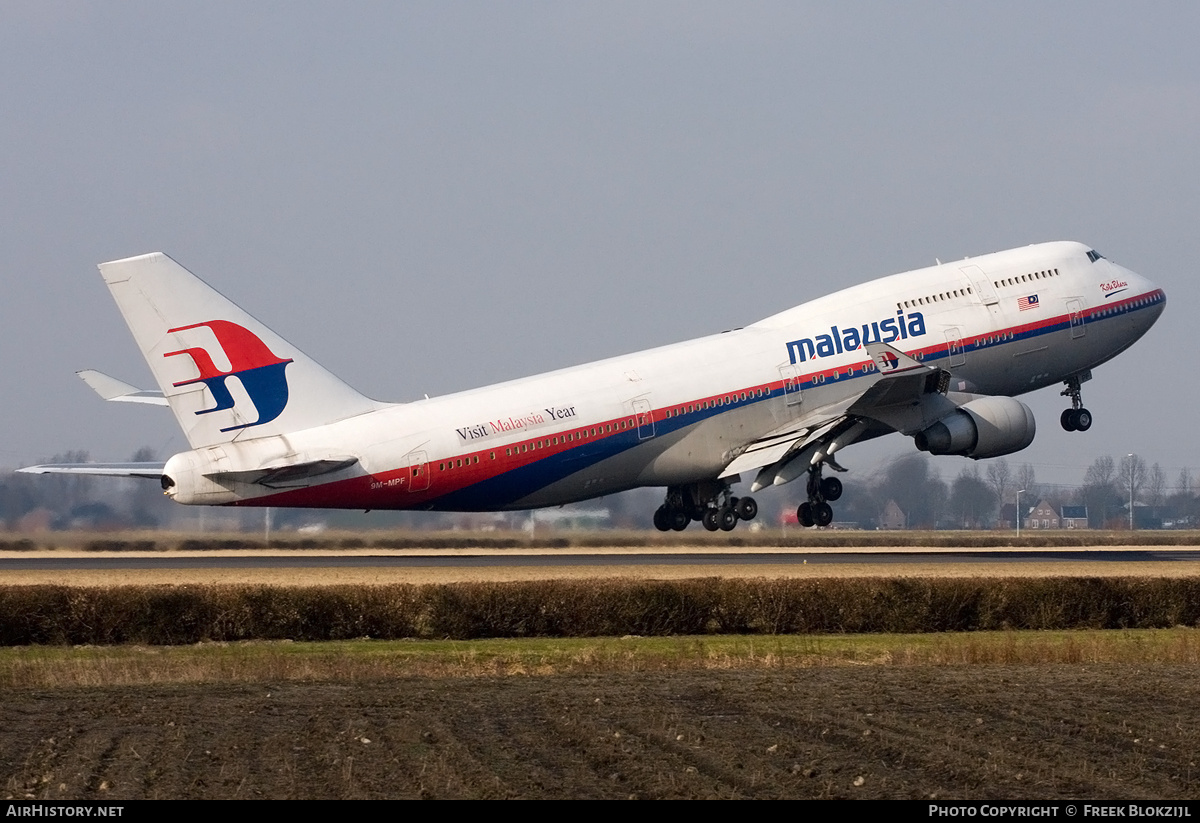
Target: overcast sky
[427, 197]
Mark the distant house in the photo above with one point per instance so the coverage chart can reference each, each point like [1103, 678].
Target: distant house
[1042, 516]
[1075, 517]
[1008, 516]
[893, 517]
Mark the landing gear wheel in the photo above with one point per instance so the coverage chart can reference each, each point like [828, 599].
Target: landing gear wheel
[804, 514]
[831, 488]
[1076, 418]
[679, 520]
[710, 520]
[746, 508]
[727, 518]
[662, 519]
[823, 514]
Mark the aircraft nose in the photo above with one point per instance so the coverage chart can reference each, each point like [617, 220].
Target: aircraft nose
[1151, 299]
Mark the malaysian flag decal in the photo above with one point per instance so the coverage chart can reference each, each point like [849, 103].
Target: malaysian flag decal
[1030, 302]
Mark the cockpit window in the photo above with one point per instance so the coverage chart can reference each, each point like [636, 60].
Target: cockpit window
[1094, 255]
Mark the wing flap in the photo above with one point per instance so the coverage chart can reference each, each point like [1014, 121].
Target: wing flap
[766, 450]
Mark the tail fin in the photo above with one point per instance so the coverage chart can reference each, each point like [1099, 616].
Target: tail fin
[225, 375]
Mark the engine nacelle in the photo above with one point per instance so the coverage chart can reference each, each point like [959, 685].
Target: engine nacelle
[987, 427]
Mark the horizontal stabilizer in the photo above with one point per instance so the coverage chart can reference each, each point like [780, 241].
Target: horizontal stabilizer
[152, 471]
[110, 388]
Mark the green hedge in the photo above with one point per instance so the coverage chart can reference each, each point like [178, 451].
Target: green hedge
[165, 615]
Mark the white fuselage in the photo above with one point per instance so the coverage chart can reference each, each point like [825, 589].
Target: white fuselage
[1001, 324]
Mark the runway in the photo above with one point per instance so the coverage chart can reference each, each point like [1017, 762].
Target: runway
[357, 567]
[459, 559]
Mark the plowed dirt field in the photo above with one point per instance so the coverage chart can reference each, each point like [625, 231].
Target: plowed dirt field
[961, 732]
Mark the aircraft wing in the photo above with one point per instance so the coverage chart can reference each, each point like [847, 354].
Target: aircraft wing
[110, 388]
[784, 454]
[151, 471]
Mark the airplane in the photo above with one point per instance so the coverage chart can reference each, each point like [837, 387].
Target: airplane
[937, 354]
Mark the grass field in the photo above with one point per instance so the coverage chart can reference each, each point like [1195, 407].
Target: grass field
[54, 667]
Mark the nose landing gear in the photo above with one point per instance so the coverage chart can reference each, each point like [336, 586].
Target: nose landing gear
[1076, 418]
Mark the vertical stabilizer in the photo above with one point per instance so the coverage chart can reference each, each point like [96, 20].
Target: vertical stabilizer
[225, 375]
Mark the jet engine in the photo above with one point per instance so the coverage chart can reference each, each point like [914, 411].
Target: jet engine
[986, 427]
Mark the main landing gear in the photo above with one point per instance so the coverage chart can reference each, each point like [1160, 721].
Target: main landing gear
[816, 511]
[1076, 418]
[711, 503]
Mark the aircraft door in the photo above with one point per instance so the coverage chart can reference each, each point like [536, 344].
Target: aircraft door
[954, 347]
[644, 417]
[791, 385]
[1075, 310]
[981, 285]
[418, 471]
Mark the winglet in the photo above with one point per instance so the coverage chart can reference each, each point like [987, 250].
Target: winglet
[890, 360]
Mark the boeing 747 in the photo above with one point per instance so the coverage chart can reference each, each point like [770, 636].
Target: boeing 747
[938, 354]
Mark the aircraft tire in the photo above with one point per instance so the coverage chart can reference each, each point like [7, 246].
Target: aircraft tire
[1067, 419]
[805, 515]
[831, 488]
[823, 514]
[747, 508]
[710, 520]
[662, 519]
[1083, 420]
[679, 520]
[728, 519]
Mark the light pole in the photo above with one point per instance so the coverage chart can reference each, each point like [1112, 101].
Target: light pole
[1130, 491]
[1019, 493]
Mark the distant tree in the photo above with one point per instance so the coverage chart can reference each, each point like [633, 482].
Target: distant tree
[1156, 486]
[999, 477]
[145, 505]
[1182, 505]
[917, 490]
[1027, 480]
[18, 497]
[63, 492]
[971, 504]
[1131, 477]
[1099, 491]
[859, 504]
